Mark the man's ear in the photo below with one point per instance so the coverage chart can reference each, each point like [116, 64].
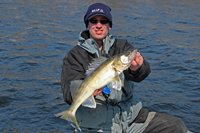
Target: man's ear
[87, 25]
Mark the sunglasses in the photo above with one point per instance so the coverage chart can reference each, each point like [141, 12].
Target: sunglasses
[103, 21]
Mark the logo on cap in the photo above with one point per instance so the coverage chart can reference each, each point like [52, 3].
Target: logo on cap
[97, 10]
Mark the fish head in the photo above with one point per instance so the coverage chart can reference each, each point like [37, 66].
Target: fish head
[123, 61]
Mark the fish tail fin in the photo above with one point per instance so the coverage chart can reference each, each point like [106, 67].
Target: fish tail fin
[67, 115]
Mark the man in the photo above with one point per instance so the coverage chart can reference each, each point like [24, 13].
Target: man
[121, 111]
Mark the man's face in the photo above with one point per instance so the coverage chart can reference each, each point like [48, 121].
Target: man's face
[98, 31]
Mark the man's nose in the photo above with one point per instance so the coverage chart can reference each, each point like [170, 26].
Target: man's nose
[99, 25]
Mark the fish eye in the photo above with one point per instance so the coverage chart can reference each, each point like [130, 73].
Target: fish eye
[127, 53]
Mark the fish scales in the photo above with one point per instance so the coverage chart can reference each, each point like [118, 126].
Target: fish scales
[96, 80]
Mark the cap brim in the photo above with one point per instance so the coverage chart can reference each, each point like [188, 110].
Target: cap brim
[97, 15]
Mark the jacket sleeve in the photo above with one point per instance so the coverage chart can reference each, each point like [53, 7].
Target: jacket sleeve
[73, 69]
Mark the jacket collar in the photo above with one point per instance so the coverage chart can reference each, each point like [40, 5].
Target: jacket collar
[91, 46]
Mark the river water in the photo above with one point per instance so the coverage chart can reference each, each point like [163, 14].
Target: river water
[36, 35]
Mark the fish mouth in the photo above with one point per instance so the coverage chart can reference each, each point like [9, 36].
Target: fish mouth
[132, 54]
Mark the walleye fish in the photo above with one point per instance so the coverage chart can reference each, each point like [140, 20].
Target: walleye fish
[105, 73]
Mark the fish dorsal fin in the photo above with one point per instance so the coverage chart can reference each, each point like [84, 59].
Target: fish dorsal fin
[94, 64]
[90, 102]
[116, 83]
[74, 86]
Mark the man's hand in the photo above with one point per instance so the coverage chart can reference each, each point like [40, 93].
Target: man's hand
[98, 91]
[138, 61]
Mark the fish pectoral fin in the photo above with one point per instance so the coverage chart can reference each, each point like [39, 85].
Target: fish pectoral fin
[90, 102]
[116, 83]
